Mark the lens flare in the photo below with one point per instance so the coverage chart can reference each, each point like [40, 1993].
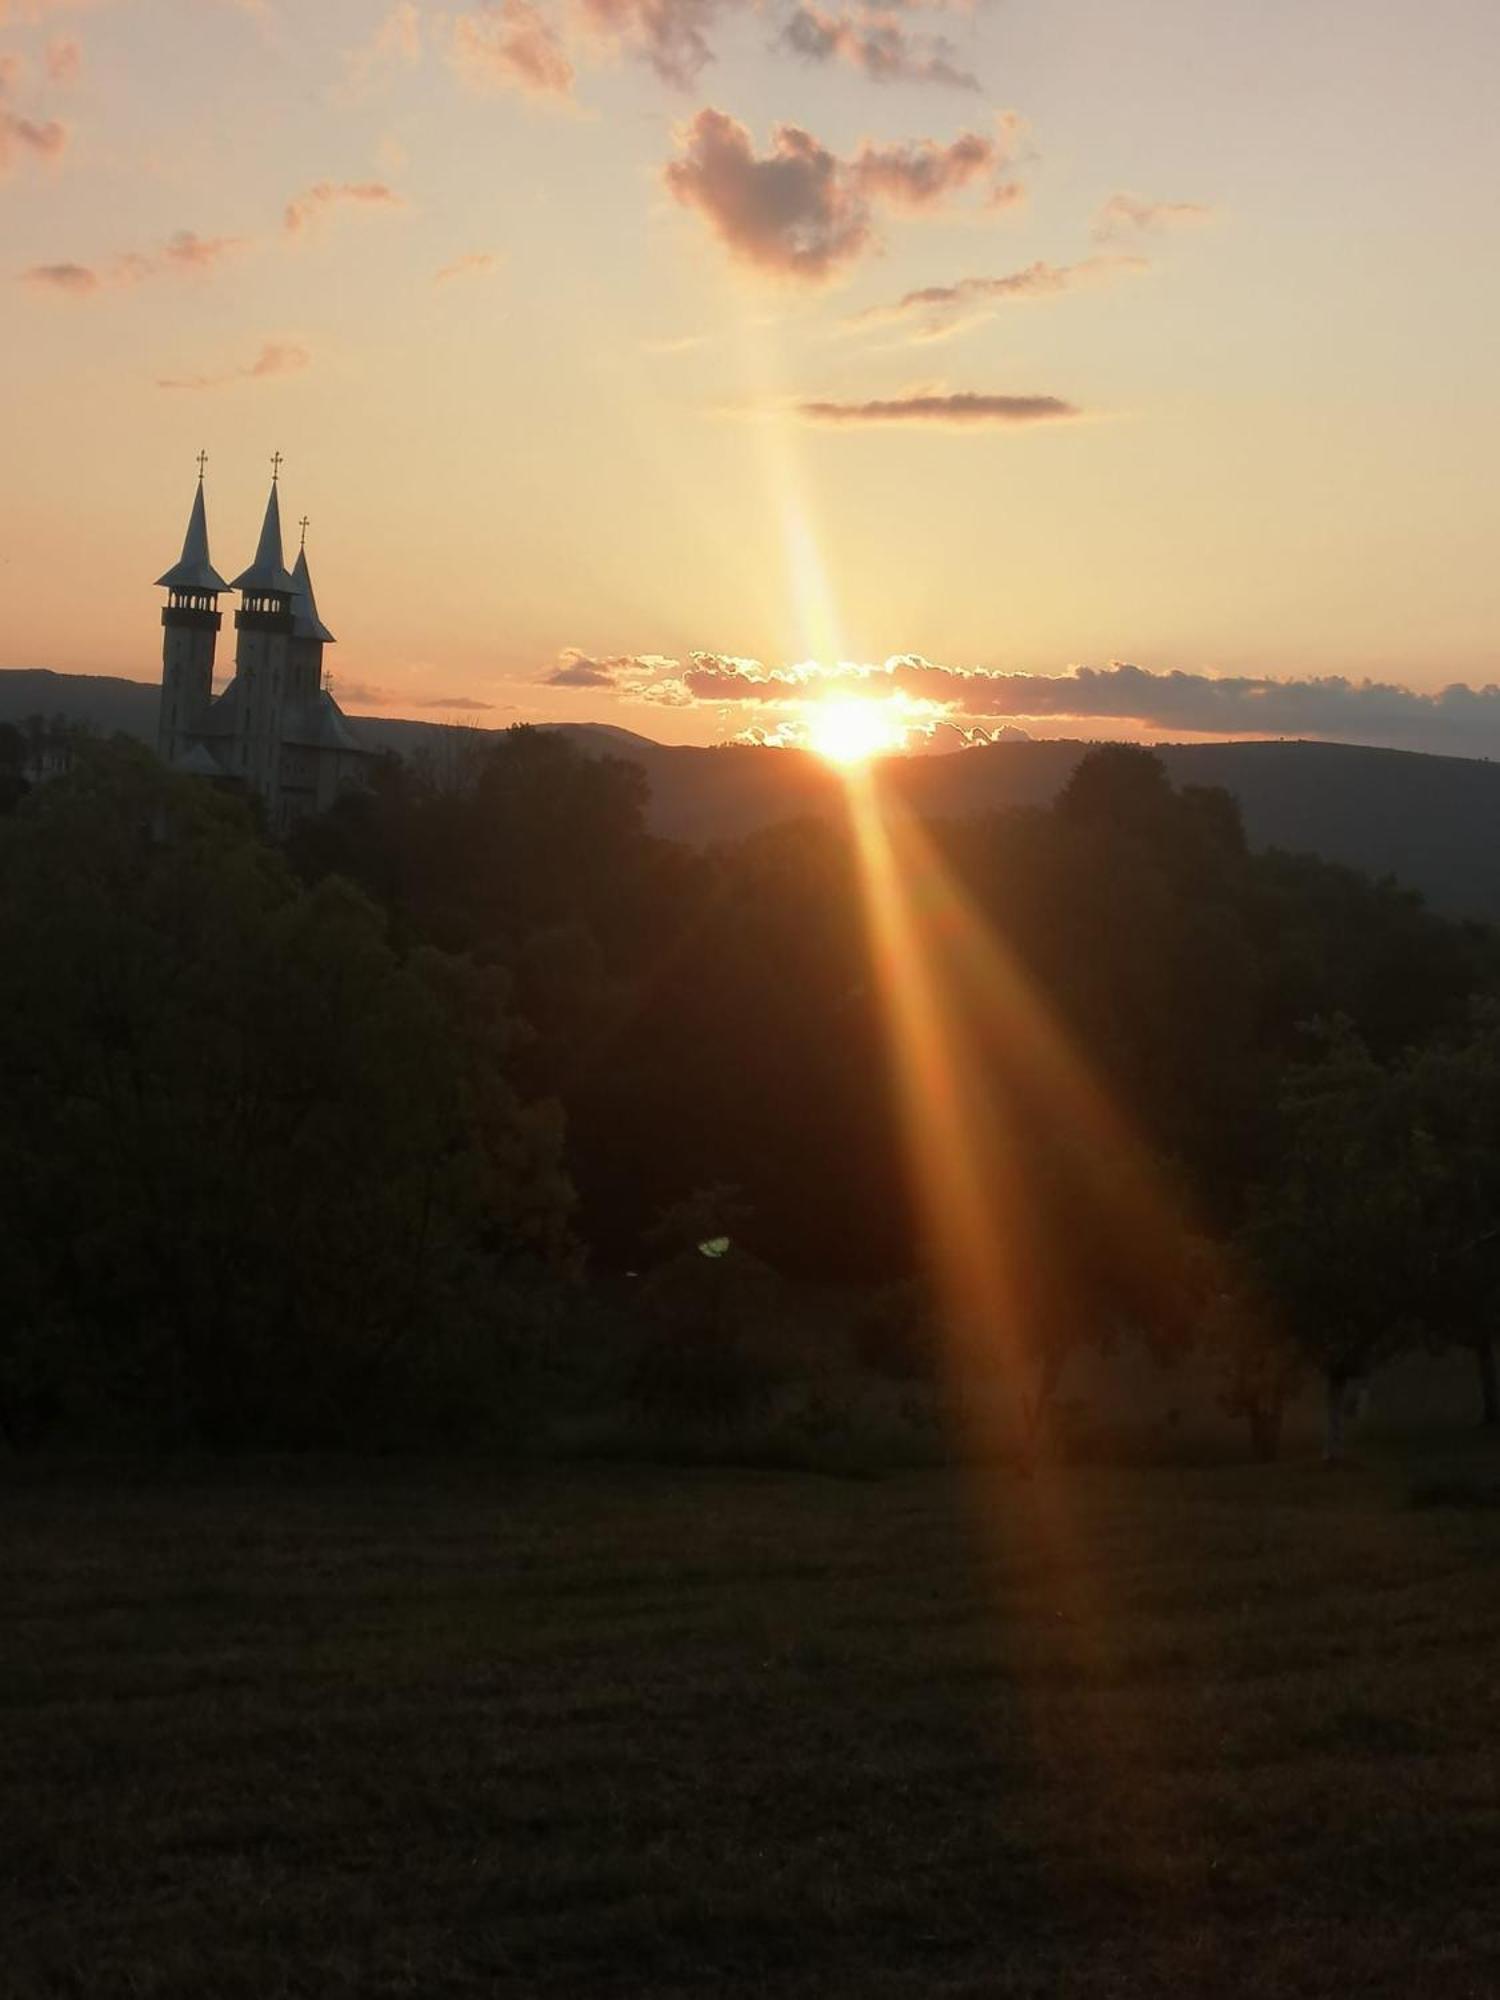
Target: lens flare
[851, 732]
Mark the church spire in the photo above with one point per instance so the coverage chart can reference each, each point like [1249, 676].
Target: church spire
[267, 575]
[194, 571]
[306, 624]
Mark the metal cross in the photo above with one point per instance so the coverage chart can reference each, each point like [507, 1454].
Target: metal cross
[202, 461]
[304, 524]
[275, 467]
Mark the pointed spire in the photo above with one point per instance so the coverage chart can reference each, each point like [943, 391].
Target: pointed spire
[306, 624]
[267, 575]
[194, 570]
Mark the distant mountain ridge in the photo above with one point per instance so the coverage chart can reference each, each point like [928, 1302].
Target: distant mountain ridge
[1433, 822]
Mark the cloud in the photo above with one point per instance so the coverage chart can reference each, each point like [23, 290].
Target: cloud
[324, 195]
[186, 251]
[275, 358]
[961, 410]
[800, 211]
[467, 702]
[670, 35]
[672, 693]
[578, 669]
[941, 309]
[397, 42]
[1456, 720]
[475, 264]
[42, 140]
[63, 58]
[75, 280]
[1127, 215]
[510, 44]
[874, 42]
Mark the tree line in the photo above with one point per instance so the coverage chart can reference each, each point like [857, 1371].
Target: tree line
[476, 1095]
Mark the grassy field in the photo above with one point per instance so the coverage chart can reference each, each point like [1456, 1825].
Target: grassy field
[334, 1733]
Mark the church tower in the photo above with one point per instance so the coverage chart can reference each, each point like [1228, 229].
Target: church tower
[309, 634]
[263, 634]
[190, 630]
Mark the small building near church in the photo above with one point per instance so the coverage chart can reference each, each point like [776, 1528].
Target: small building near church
[275, 729]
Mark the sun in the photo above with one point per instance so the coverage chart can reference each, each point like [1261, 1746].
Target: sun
[849, 732]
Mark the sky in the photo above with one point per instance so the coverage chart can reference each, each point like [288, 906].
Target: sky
[1058, 365]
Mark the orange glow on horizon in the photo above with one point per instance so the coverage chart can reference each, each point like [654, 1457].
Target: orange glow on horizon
[850, 732]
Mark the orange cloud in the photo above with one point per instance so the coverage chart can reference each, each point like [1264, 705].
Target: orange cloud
[475, 265]
[275, 358]
[64, 59]
[509, 44]
[323, 195]
[42, 140]
[186, 251]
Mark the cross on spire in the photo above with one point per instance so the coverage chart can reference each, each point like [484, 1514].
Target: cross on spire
[304, 524]
[202, 461]
[275, 467]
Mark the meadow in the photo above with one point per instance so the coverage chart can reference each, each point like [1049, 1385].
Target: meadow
[312, 1729]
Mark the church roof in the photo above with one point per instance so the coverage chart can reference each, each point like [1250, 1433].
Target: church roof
[268, 572]
[320, 724]
[306, 624]
[194, 571]
[199, 762]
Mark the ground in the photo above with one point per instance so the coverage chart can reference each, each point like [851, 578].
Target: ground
[335, 1732]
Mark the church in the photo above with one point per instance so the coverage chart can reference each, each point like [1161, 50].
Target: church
[275, 730]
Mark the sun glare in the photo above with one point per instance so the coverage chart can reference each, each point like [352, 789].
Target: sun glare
[849, 732]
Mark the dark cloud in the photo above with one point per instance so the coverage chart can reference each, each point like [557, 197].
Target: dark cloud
[1128, 215]
[961, 410]
[670, 35]
[72, 280]
[466, 702]
[801, 211]
[875, 43]
[578, 670]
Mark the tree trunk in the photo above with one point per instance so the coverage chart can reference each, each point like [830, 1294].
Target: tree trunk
[1489, 1380]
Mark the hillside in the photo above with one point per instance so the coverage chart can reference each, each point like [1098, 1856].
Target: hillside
[1433, 822]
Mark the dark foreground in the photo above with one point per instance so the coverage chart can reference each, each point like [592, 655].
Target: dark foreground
[645, 1732]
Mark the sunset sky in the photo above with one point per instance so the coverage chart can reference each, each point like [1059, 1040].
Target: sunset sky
[629, 355]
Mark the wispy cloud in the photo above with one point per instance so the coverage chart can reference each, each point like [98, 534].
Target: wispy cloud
[950, 410]
[275, 358]
[1127, 215]
[803, 212]
[186, 252]
[323, 195]
[475, 264]
[939, 310]
[511, 45]
[63, 58]
[669, 35]
[37, 139]
[873, 41]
